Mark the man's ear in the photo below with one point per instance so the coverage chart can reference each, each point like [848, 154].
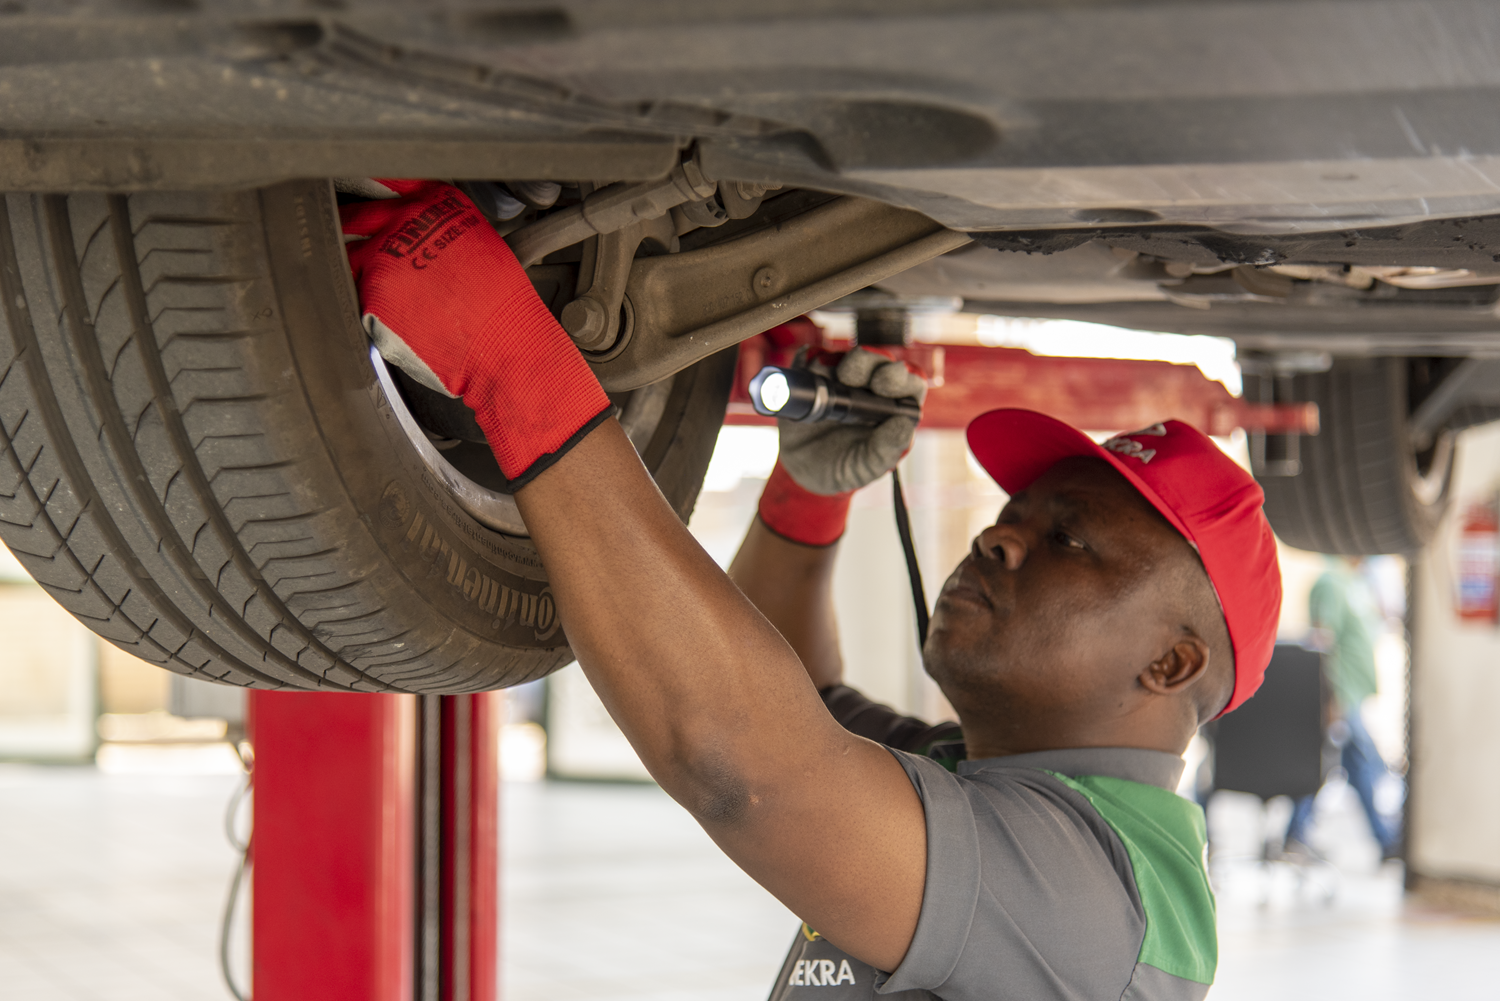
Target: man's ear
[1175, 671]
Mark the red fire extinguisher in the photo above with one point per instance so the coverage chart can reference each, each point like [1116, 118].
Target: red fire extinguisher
[1478, 564]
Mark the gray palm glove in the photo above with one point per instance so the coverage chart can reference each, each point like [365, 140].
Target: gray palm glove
[827, 458]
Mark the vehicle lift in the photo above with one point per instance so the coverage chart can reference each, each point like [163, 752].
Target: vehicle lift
[376, 842]
[376, 846]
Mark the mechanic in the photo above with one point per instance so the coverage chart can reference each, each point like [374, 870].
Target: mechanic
[1127, 594]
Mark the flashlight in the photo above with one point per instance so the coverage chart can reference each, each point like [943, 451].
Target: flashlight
[798, 394]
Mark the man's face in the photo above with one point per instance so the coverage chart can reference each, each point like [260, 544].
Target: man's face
[1062, 602]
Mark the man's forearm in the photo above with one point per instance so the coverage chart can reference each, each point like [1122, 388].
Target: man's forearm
[792, 585]
[692, 672]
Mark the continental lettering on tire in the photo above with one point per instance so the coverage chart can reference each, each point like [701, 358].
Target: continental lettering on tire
[504, 605]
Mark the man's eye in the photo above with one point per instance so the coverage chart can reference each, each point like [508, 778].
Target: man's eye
[1064, 539]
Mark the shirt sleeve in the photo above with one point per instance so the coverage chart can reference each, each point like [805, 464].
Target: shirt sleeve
[882, 724]
[1028, 894]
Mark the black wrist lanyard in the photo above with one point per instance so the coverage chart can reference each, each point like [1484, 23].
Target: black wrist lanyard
[903, 528]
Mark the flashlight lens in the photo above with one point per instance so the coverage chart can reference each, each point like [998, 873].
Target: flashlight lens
[774, 392]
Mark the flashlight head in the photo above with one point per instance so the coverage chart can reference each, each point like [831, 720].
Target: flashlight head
[775, 394]
[789, 393]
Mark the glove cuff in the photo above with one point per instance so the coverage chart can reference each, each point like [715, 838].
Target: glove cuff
[799, 515]
[531, 391]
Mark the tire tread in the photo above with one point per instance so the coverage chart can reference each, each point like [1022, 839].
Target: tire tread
[1355, 493]
[221, 616]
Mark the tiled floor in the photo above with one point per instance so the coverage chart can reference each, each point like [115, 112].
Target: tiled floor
[1364, 946]
[111, 887]
[611, 891]
[1337, 933]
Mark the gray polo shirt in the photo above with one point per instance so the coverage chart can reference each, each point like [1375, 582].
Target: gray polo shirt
[1066, 874]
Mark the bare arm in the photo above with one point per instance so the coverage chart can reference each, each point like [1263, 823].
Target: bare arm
[792, 585]
[720, 708]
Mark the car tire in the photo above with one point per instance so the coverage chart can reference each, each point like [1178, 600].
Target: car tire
[202, 465]
[1364, 487]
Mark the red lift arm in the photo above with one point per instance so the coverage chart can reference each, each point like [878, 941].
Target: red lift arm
[1097, 394]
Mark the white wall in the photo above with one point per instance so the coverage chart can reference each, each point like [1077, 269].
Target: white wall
[48, 674]
[1455, 778]
[872, 598]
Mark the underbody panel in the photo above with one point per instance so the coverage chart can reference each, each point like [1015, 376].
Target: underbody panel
[1250, 117]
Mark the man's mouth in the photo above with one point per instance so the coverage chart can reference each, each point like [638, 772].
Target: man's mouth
[966, 586]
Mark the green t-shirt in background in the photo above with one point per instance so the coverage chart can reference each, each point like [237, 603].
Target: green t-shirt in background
[1343, 603]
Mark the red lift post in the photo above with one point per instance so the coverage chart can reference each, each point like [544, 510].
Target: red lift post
[375, 847]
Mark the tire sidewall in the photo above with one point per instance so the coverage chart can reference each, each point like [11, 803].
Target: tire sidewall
[1422, 515]
[488, 584]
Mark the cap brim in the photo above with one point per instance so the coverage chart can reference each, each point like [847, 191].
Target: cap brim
[1017, 446]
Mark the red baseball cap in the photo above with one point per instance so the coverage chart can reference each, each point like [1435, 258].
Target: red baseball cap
[1206, 496]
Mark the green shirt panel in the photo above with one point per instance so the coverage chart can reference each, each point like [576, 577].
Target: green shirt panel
[1166, 839]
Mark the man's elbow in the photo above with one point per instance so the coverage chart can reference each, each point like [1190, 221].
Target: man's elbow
[712, 787]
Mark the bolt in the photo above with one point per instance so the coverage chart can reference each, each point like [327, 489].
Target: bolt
[764, 283]
[693, 182]
[587, 322]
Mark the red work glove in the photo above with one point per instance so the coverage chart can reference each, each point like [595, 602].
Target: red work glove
[443, 297]
[820, 466]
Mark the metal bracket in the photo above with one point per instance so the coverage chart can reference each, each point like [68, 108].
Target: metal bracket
[593, 318]
[687, 306]
[1275, 453]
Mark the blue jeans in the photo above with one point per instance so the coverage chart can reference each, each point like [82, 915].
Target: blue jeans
[1366, 768]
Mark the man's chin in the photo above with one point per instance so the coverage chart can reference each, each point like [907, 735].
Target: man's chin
[959, 667]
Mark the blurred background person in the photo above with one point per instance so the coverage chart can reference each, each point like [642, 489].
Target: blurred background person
[1346, 619]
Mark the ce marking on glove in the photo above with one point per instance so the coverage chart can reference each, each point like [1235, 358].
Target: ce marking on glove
[430, 252]
[420, 240]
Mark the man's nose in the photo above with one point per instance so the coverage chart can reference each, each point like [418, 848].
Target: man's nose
[1005, 543]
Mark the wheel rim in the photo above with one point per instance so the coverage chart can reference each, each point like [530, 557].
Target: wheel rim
[1431, 481]
[488, 507]
[640, 418]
